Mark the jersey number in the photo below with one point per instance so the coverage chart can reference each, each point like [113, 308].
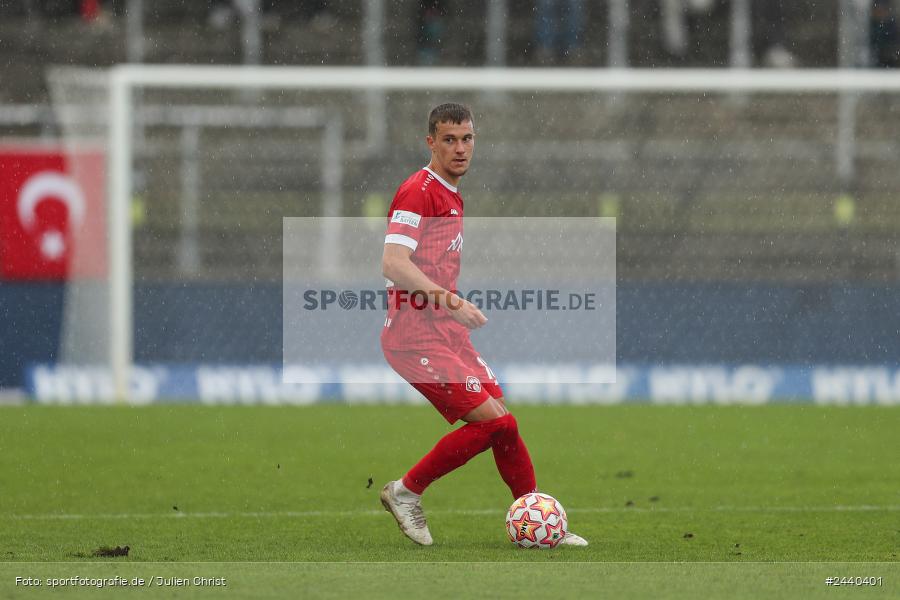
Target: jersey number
[487, 369]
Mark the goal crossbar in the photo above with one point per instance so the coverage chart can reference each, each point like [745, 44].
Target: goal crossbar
[575, 80]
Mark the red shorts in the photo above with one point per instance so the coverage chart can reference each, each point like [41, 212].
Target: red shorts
[455, 380]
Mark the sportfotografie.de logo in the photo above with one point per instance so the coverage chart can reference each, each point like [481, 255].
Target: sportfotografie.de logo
[489, 300]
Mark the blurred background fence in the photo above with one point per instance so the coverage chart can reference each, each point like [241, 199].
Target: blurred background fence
[752, 228]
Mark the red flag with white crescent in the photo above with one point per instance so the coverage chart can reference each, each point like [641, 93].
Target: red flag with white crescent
[52, 217]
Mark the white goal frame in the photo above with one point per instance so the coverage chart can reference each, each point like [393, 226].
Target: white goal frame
[124, 79]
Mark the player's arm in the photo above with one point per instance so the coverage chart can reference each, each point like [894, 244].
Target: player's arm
[397, 266]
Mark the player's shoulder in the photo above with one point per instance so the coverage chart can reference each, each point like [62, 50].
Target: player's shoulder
[414, 192]
[416, 184]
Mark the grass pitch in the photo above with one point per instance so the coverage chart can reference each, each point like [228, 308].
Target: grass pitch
[265, 496]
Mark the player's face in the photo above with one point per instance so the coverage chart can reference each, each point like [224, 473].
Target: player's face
[451, 149]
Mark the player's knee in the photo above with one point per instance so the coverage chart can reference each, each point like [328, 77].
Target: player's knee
[510, 426]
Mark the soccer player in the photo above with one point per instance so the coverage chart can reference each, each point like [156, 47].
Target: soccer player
[426, 332]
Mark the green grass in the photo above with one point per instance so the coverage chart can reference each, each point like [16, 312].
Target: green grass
[268, 486]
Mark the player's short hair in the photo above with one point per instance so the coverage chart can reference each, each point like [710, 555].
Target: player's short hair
[451, 112]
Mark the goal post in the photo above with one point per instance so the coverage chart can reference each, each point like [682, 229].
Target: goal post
[121, 275]
[125, 81]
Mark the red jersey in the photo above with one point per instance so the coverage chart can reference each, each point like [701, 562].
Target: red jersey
[426, 216]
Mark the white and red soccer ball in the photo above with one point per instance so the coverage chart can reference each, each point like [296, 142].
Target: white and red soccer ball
[536, 521]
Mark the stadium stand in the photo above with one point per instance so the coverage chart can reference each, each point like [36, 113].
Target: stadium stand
[670, 207]
[704, 192]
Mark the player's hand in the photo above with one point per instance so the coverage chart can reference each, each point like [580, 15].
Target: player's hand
[465, 312]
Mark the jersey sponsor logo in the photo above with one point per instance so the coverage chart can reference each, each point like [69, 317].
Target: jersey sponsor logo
[453, 212]
[456, 244]
[405, 217]
[472, 384]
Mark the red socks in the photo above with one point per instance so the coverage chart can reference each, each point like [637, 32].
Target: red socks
[512, 458]
[457, 447]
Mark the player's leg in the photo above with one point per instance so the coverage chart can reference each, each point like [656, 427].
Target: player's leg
[510, 453]
[460, 445]
[463, 387]
[403, 497]
[432, 376]
[491, 408]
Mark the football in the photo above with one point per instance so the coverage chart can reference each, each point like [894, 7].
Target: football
[536, 521]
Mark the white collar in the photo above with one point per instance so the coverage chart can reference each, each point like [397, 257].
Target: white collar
[452, 188]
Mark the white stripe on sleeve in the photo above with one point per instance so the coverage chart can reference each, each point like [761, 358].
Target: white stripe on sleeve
[403, 240]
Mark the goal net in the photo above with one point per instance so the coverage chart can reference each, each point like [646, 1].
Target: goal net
[228, 186]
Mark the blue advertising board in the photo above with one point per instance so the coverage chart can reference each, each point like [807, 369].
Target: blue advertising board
[362, 383]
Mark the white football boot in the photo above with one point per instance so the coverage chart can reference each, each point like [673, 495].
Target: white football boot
[407, 509]
[572, 539]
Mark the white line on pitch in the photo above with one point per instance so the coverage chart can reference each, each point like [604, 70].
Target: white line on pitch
[484, 511]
